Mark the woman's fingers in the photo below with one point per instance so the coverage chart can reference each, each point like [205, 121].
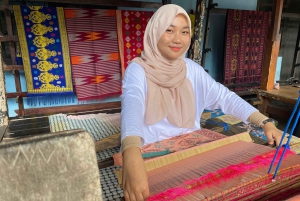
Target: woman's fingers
[273, 134]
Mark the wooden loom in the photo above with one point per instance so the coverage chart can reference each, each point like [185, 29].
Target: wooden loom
[212, 163]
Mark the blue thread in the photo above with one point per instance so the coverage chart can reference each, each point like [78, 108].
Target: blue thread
[225, 126]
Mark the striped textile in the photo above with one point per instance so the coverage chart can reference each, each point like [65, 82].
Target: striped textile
[92, 35]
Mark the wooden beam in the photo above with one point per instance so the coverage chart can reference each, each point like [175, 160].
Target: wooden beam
[70, 108]
[16, 74]
[270, 62]
[3, 129]
[137, 4]
[109, 142]
[8, 18]
[276, 18]
[105, 163]
[12, 67]
[16, 94]
[5, 7]
[272, 48]
[291, 15]
[9, 38]
[3, 105]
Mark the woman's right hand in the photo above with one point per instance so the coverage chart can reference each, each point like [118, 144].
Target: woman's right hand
[135, 181]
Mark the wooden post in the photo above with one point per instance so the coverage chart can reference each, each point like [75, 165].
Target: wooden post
[3, 107]
[272, 48]
[16, 73]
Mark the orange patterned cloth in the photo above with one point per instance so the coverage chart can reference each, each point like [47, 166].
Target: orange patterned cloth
[177, 143]
[92, 36]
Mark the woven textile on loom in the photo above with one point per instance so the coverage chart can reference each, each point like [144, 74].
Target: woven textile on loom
[44, 48]
[92, 35]
[174, 144]
[246, 35]
[131, 28]
[232, 125]
[225, 169]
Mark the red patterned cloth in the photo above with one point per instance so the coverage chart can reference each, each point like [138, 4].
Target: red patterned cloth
[246, 35]
[177, 143]
[131, 28]
[92, 35]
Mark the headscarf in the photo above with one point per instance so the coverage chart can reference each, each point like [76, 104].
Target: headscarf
[170, 93]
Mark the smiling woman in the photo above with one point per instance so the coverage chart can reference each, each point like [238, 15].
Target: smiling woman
[176, 38]
[164, 95]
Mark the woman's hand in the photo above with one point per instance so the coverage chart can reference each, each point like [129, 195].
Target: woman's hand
[273, 133]
[135, 181]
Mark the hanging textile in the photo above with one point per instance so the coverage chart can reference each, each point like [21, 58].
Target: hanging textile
[45, 51]
[246, 34]
[196, 52]
[131, 28]
[92, 35]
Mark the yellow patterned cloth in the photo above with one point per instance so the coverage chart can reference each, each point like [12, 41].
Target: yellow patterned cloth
[45, 51]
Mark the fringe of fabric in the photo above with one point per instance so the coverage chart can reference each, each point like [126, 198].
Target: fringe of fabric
[51, 100]
[217, 177]
[112, 98]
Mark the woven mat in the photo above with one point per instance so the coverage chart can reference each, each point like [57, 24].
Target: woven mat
[109, 184]
[98, 125]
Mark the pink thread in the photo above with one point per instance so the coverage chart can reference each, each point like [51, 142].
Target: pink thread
[217, 177]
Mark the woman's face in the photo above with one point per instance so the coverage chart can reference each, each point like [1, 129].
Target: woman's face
[176, 39]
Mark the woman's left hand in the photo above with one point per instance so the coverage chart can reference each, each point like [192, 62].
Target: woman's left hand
[273, 134]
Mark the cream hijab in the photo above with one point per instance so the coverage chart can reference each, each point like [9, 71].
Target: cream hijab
[170, 93]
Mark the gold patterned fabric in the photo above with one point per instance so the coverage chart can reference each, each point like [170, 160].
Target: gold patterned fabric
[45, 51]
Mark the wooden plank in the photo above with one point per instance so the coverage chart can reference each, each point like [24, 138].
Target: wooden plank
[17, 80]
[272, 48]
[24, 121]
[109, 142]
[276, 18]
[2, 131]
[105, 163]
[21, 107]
[12, 48]
[288, 94]
[277, 111]
[27, 132]
[10, 32]
[19, 90]
[5, 7]
[69, 108]
[30, 126]
[12, 67]
[16, 94]
[291, 15]
[9, 38]
[244, 93]
[137, 4]
[270, 62]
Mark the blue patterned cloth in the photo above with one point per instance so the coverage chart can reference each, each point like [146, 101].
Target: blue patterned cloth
[44, 48]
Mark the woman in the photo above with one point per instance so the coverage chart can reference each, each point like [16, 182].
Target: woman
[164, 95]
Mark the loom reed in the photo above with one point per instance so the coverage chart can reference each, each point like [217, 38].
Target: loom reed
[175, 174]
[283, 136]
